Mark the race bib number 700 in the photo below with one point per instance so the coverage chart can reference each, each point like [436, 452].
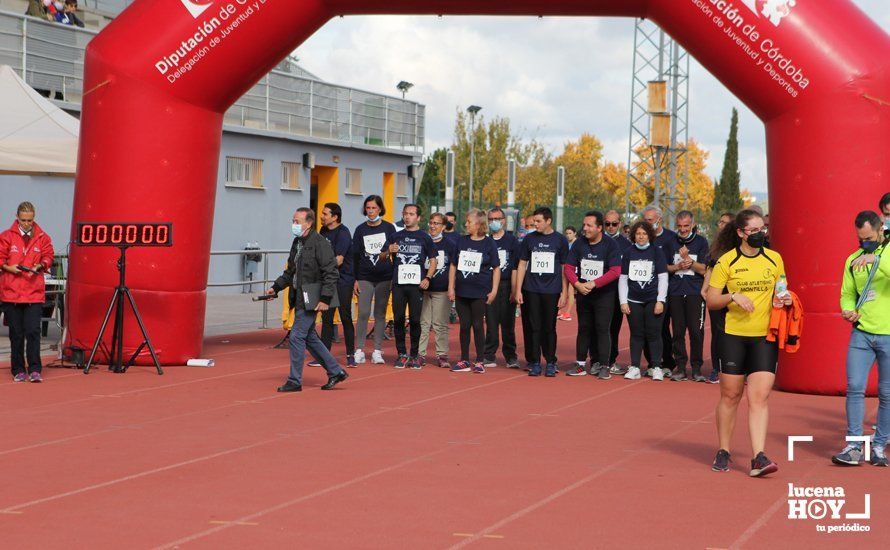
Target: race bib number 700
[591, 269]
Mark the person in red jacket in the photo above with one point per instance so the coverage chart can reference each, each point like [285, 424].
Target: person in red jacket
[25, 253]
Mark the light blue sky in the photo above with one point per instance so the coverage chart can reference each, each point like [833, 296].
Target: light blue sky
[523, 69]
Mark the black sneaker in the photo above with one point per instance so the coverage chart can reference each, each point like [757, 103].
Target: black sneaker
[761, 465]
[401, 362]
[721, 461]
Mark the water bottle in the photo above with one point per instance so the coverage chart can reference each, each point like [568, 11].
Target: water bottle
[781, 287]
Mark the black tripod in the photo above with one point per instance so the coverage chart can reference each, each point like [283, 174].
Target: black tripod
[116, 354]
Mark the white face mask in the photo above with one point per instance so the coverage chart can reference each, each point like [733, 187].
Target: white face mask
[59, 6]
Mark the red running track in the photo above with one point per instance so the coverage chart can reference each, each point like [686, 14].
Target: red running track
[215, 458]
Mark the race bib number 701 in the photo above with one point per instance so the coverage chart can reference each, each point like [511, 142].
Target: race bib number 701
[543, 263]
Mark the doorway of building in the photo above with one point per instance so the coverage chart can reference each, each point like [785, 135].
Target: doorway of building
[323, 188]
[389, 196]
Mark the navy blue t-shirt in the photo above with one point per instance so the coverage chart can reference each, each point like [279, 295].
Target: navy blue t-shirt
[508, 249]
[622, 242]
[687, 283]
[414, 249]
[642, 268]
[444, 250]
[368, 264]
[665, 241]
[341, 242]
[475, 262]
[592, 261]
[545, 255]
[453, 236]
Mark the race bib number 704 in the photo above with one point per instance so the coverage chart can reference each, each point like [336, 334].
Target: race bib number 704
[469, 262]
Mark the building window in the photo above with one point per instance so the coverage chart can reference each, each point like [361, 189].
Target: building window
[244, 172]
[402, 185]
[354, 181]
[290, 175]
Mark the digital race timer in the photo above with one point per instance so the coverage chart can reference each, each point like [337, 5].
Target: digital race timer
[124, 234]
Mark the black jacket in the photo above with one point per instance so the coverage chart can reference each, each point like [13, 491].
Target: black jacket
[317, 265]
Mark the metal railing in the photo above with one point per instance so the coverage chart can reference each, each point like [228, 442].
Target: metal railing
[49, 57]
[247, 282]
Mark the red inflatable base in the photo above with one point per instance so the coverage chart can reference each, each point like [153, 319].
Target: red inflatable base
[169, 317]
[823, 371]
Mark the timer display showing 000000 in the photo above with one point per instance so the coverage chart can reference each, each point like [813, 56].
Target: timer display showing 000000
[124, 234]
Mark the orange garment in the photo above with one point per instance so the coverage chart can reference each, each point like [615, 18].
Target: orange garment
[786, 324]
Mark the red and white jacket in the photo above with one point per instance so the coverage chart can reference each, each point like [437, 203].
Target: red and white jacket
[24, 287]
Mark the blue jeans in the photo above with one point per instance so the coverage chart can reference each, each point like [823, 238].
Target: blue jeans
[862, 353]
[303, 335]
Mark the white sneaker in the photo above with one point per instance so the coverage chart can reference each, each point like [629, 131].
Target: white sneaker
[490, 364]
[657, 374]
[359, 357]
[633, 373]
[377, 357]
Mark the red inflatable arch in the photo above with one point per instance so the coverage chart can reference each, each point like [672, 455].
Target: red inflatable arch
[817, 72]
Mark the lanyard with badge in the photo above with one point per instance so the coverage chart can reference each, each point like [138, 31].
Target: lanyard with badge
[867, 293]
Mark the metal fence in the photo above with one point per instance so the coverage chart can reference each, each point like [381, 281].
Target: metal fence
[50, 57]
[250, 282]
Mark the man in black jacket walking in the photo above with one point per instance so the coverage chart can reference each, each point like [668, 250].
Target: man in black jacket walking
[311, 275]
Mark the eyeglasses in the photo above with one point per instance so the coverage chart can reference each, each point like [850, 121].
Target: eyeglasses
[495, 219]
[612, 224]
[752, 230]
[436, 223]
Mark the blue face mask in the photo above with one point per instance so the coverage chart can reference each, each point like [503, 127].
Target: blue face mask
[297, 230]
[496, 226]
[530, 231]
[887, 224]
[869, 246]
[373, 220]
[642, 246]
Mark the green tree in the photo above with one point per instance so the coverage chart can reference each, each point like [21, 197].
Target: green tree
[431, 190]
[727, 196]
